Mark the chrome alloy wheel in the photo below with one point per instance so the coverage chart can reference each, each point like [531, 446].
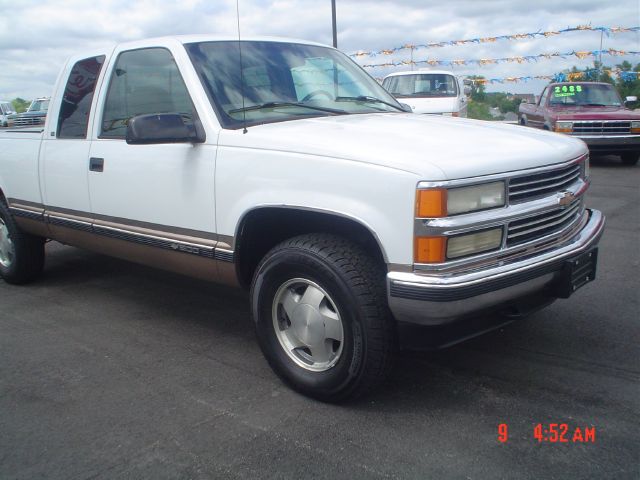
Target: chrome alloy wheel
[7, 250]
[308, 325]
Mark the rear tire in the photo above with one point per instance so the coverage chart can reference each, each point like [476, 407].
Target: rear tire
[630, 158]
[319, 304]
[21, 254]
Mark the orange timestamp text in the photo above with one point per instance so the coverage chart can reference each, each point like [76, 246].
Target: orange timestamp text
[554, 433]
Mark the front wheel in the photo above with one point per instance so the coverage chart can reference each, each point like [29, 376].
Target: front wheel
[630, 158]
[21, 254]
[321, 317]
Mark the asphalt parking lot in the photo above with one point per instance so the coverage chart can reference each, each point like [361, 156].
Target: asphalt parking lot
[112, 370]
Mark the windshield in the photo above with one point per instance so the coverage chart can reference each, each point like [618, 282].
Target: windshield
[284, 81]
[422, 85]
[585, 94]
[39, 106]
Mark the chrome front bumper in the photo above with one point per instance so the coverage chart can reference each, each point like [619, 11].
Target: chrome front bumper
[439, 299]
[611, 142]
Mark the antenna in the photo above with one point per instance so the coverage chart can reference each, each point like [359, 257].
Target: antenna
[333, 24]
[244, 112]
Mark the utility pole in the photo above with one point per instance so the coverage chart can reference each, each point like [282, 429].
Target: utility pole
[333, 21]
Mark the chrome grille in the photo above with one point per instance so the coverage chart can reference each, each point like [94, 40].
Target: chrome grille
[28, 121]
[601, 128]
[540, 184]
[537, 226]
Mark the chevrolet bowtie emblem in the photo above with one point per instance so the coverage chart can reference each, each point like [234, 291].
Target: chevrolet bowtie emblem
[565, 198]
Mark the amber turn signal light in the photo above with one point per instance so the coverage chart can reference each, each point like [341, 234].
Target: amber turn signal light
[563, 127]
[431, 203]
[430, 249]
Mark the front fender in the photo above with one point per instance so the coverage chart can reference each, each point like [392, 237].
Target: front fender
[379, 198]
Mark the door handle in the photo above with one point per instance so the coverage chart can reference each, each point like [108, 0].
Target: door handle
[96, 164]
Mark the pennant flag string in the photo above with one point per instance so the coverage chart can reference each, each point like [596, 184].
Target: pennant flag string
[518, 59]
[515, 36]
[589, 74]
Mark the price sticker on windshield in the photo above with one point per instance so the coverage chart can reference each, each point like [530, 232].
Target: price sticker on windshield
[566, 90]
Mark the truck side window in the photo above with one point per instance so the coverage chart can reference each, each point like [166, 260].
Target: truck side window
[543, 97]
[144, 81]
[73, 119]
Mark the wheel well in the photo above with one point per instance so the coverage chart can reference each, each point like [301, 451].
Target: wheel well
[262, 229]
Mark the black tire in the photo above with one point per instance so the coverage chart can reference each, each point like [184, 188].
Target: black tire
[356, 285]
[27, 261]
[523, 121]
[630, 158]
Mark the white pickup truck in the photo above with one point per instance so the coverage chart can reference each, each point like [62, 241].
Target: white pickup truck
[281, 167]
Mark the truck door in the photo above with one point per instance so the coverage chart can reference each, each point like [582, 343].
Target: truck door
[65, 149]
[154, 199]
[536, 119]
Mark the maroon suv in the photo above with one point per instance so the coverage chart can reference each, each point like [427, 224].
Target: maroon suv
[593, 112]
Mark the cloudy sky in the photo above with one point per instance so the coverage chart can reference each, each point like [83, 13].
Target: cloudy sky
[37, 35]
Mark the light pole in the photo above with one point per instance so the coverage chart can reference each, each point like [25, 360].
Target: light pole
[333, 21]
[598, 79]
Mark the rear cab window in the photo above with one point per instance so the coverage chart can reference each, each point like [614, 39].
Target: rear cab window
[73, 119]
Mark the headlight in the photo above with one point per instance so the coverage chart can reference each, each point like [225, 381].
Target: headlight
[478, 197]
[439, 202]
[439, 249]
[470, 244]
[442, 202]
[635, 126]
[564, 127]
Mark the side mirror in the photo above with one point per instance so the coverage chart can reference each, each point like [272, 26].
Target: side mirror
[163, 128]
[631, 99]
[467, 90]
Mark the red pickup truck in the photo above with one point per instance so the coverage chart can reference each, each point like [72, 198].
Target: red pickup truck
[593, 112]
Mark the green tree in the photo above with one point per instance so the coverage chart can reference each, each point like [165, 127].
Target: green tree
[477, 88]
[478, 110]
[504, 102]
[602, 73]
[20, 105]
[628, 86]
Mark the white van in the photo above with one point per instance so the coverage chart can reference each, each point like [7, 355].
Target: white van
[7, 114]
[429, 91]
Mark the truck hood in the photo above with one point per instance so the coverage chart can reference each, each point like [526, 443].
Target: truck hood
[594, 113]
[430, 146]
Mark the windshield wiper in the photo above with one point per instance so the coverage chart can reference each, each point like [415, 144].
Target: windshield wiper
[368, 99]
[594, 105]
[287, 104]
